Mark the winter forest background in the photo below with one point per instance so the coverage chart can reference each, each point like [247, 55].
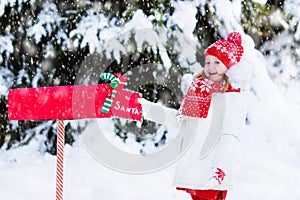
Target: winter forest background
[47, 43]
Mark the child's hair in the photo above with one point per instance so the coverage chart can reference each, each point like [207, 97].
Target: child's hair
[225, 79]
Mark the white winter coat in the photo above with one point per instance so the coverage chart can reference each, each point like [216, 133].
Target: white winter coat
[215, 142]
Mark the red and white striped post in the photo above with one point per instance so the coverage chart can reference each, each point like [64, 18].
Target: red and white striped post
[60, 160]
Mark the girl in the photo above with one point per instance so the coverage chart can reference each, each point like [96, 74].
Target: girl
[215, 112]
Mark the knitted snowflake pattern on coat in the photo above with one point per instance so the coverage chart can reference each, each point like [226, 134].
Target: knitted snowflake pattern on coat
[219, 175]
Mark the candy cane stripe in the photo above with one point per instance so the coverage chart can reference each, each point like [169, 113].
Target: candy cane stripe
[60, 160]
[109, 76]
[107, 104]
[113, 83]
[114, 93]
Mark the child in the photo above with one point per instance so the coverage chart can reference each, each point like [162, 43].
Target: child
[216, 112]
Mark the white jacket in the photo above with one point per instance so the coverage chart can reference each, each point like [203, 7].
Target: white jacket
[215, 142]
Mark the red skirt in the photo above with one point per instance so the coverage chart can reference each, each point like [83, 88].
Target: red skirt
[205, 194]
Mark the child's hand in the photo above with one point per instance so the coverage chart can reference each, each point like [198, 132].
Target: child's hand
[146, 105]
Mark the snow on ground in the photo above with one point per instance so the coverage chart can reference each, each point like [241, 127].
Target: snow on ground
[26, 174]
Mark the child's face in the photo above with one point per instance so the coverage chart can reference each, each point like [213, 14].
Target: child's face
[214, 69]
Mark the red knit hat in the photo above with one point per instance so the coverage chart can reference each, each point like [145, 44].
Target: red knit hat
[229, 51]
